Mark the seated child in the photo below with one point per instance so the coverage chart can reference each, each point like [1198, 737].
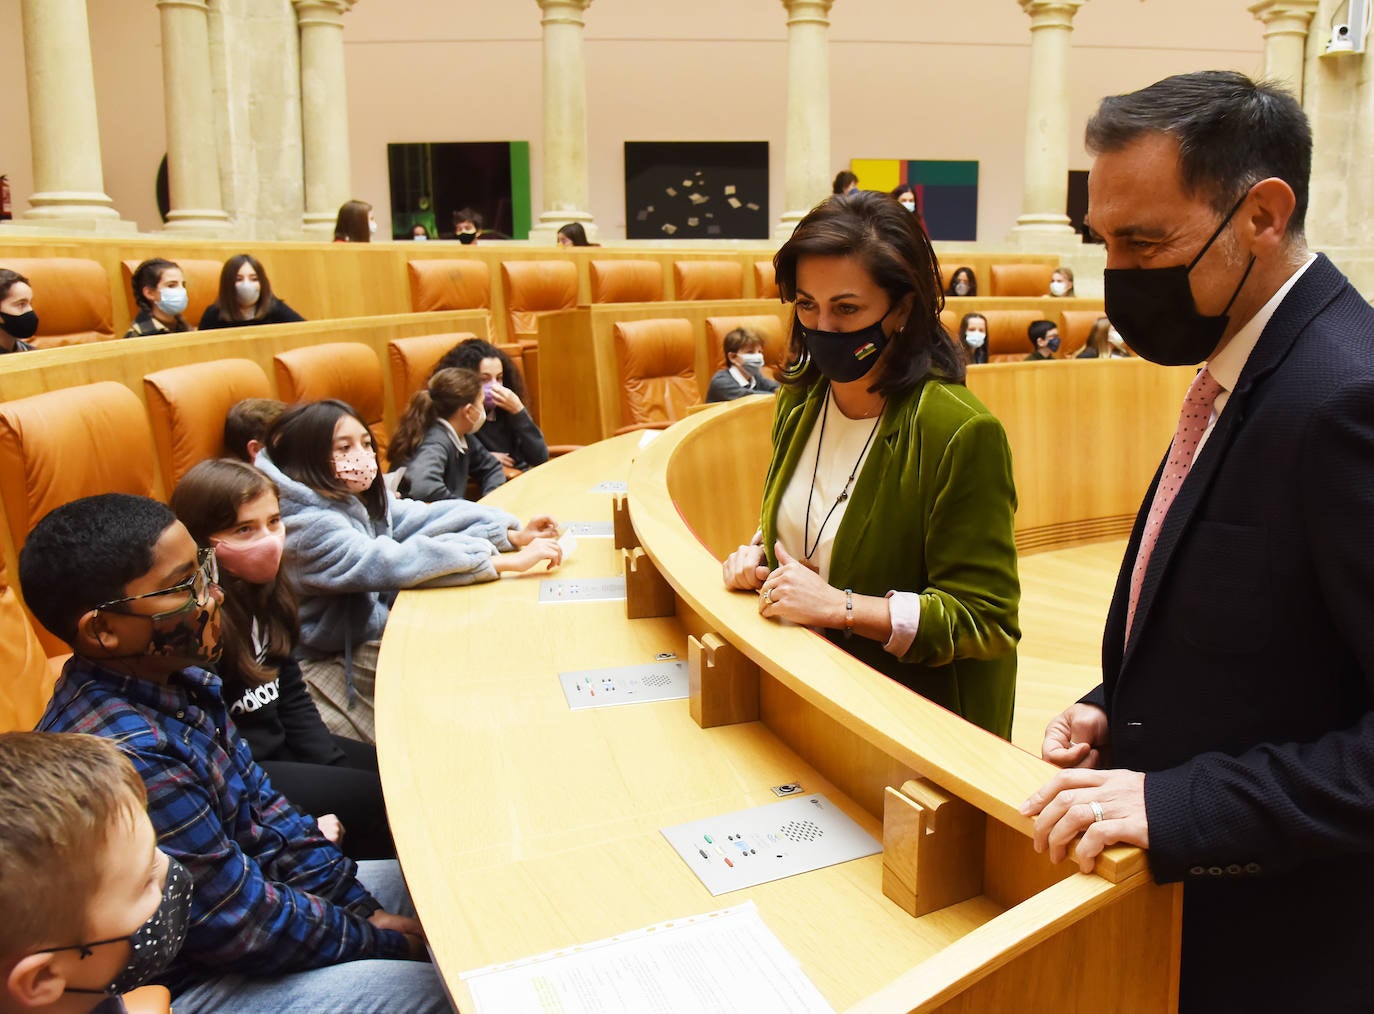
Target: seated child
[743, 365]
[246, 425]
[93, 908]
[232, 507]
[431, 441]
[510, 434]
[276, 909]
[350, 546]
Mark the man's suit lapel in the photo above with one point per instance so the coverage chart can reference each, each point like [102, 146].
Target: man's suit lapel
[1317, 287]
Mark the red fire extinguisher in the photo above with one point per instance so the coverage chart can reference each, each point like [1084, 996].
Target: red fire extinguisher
[5, 215]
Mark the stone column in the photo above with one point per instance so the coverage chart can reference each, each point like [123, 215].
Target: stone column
[1043, 222]
[192, 155]
[1285, 39]
[324, 112]
[807, 169]
[566, 184]
[68, 182]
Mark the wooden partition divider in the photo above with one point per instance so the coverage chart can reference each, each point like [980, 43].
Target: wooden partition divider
[578, 375]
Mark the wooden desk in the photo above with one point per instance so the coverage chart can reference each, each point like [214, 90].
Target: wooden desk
[525, 827]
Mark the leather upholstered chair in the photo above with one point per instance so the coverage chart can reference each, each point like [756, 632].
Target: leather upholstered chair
[202, 285]
[766, 326]
[1074, 331]
[708, 279]
[348, 371]
[62, 445]
[655, 359]
[1008, 333]
[26, 678]
[413, 360]
[449, 285]
[72, 297]
[534, 287]
[187, 406]
[1020, 279]
[765, 281]
[626, 281]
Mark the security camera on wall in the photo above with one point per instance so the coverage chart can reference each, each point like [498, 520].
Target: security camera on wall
[1350, 36]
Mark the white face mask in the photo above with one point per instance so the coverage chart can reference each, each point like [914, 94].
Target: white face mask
[1115, 338]
[248, 293]
[975, 339]
[1059, 288]
[909, 205]
[372, 225]
[961, 288]
[753, 360]
[420, 238]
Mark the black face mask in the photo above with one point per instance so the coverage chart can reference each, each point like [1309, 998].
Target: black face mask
[1153, 308]
[843, 356]
[154, 944]
[22, 326]
[467, 237]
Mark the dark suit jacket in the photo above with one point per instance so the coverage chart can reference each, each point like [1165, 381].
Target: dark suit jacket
[724, 387]
[1246, 691]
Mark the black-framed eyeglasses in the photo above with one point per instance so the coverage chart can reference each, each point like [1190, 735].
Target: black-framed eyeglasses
[198, 585]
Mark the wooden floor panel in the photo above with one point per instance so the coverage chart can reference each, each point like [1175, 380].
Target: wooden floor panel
[1064, 598]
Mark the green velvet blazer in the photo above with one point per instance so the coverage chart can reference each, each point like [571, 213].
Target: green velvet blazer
[931, 512]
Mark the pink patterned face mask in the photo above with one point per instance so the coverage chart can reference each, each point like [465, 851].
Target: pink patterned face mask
[357, 469]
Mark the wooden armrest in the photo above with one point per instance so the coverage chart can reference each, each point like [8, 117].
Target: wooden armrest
[148, 1000]
[558, 450]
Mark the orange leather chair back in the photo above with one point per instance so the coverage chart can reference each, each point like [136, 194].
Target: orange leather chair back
[413, 360]
[71, 296]
[657, 378]
[449, 285]
[348, 371]
[202, 285]
[1020, 279]
[535, 287]
[627, 281]
[62, 445]
[1073, 333]
[766, 326]
[1008, 333]
[708, 279]
[187, 406]
[26, 679]
[765, 280]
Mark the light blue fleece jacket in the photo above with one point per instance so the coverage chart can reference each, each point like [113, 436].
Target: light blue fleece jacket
[345, 564]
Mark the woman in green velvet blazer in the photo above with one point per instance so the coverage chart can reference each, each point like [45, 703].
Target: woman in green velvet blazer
[920, 574]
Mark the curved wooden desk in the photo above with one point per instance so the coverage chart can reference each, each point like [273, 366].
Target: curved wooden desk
[525, 827]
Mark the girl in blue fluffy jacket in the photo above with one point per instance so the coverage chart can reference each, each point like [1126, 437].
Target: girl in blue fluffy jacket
[350, 546]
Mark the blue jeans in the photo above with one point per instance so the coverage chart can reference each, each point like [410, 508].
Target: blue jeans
[372, 986]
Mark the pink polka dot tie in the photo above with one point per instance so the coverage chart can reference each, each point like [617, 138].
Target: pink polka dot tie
[1192, 423]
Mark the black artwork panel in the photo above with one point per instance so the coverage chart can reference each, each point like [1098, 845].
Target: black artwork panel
[696, 190]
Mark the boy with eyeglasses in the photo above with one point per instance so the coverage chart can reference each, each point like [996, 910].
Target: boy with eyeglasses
[280, 919]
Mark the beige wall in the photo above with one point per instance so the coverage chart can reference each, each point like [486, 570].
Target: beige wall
[468, 70]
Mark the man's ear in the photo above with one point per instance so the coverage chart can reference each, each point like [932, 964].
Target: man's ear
[1266, 214]
[34, 982]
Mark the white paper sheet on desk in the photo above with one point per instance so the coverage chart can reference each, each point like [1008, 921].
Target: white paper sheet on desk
[718, 963]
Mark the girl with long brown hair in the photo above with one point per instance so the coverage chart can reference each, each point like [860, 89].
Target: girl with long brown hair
[431, 441]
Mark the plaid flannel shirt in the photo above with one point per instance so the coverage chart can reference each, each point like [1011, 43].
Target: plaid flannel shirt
[271, 894]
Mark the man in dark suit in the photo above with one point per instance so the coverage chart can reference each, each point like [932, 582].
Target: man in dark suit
[1233, 733]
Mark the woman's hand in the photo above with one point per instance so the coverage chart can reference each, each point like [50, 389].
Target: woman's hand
[502, 458]
[541, 527]
[796, 592]
[506, 399]
[538, 550]
[332, 828]
[745, 569]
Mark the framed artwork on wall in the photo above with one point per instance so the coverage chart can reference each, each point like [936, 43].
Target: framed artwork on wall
[946, 192]
[696, 190]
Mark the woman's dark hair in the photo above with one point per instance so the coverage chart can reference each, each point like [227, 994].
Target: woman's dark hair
[842, 179]
[900, 189]
[963, 323]
[965, 270]
[206, 501]
[575, 232]
[1038, 330]
[351, 225]
[148, 275]
[228, 301]
[1231, 132]
[8, 280]
[447, 392]
[301, 444]
[895, 251]
[468, 355]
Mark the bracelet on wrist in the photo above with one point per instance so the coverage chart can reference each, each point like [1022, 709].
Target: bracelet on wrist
[849, 612]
